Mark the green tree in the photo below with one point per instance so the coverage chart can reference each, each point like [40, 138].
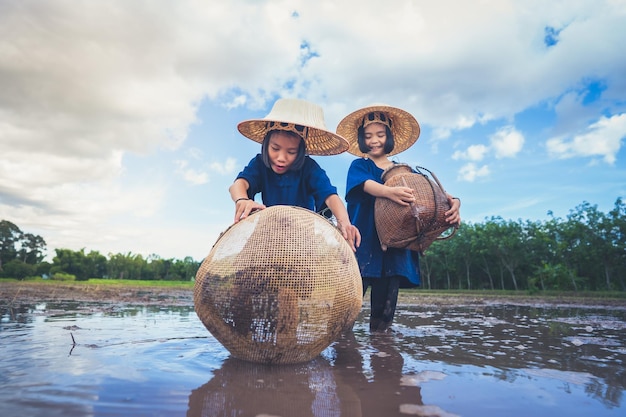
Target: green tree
[510, 247]
[32, 248]
[461, 246]
[43, 269]
[441, 261]
[616, 234]
[184, 270]
[17, 245]
[15, 268]
[426, 270]
[484, 251]
[126, 266]
[157, 268]
[96, 265]
[71, 262]
[10, 235]
[540, 253]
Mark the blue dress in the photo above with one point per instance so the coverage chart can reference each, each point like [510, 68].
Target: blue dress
[373, 261]
[308, 187]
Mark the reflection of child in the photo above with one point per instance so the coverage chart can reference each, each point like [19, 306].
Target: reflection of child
[375, 133]
[283, 172]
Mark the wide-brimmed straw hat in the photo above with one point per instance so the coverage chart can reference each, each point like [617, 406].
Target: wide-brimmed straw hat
[302, 117]
[403, 125]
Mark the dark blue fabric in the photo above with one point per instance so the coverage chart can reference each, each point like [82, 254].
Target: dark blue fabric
[308, 187]
[373, 261]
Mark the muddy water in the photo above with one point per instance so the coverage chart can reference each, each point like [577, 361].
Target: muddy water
[88, 359]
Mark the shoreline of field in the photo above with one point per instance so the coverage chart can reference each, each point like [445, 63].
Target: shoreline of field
[181, 294]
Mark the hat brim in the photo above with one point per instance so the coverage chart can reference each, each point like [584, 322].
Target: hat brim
[405, 128]
[318, 141]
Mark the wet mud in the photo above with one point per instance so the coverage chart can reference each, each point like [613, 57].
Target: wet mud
[81, 350]
[155, 295]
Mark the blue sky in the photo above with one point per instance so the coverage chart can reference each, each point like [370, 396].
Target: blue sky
[118, 119]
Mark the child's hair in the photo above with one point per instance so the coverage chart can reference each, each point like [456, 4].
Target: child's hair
[389, 142]
[299, 161]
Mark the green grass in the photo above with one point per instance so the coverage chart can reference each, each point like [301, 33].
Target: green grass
[620, 295]
[110, 282]
[140, 283]
[520, 293]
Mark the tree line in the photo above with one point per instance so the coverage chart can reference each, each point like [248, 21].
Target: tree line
[22, 256]
[584, 251]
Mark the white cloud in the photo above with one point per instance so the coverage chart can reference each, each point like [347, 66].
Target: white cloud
[191, 175]
[85, 85]
[199, 176]
[507, 142]
[472, 153]
[226, 168]
[470, 172]
[83, 215]
[487, 63]
[603, 138]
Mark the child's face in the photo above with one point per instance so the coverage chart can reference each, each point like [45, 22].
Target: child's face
[375, 135]
[282, 151]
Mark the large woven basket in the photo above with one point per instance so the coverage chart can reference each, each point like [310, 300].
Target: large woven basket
[279, 286]
[415, 227]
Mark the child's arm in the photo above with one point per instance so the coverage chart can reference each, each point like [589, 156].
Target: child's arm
[401, 195]
[404, 196]
[243, 205]
[348, 230]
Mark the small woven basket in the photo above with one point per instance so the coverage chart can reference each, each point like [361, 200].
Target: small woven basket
[417, 226]
[279, 286]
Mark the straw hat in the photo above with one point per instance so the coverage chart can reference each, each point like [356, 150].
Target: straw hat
[403, 125]
[301, 117]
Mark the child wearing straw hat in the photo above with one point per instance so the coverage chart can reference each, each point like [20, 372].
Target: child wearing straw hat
[374, 134]
[283, 172]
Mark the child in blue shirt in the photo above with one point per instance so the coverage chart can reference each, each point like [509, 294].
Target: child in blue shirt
[375, 133]
[283, 172]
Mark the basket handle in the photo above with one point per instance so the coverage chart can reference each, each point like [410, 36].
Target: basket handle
[456, 227]
[417, 168]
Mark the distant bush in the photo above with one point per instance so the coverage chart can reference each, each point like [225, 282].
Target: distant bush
[17, 269]
[62, 276]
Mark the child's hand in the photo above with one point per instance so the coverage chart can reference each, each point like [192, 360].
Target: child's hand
[453, 216]
[244, 207]
[401, 195]
[351, 234]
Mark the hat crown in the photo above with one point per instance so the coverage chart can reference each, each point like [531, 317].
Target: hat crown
[297, 112]
[300, 112]
[403, 125]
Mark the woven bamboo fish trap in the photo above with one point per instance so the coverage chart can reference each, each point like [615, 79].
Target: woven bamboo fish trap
[279, 286]
[417, 226]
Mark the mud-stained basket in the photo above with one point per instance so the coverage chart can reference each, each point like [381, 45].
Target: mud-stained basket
[279, 286]
[417, 226]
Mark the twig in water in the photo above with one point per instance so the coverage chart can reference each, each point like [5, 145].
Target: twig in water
[73, 345]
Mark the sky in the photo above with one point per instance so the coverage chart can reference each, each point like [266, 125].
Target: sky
[118, 118]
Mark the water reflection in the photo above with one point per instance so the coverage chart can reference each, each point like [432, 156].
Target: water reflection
[351, 380]
[577, 346]
[241, 388]
[439, 361]
[376, 367]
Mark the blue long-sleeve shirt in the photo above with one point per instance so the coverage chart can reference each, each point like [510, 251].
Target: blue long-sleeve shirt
[308, 187]
[373, 261]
